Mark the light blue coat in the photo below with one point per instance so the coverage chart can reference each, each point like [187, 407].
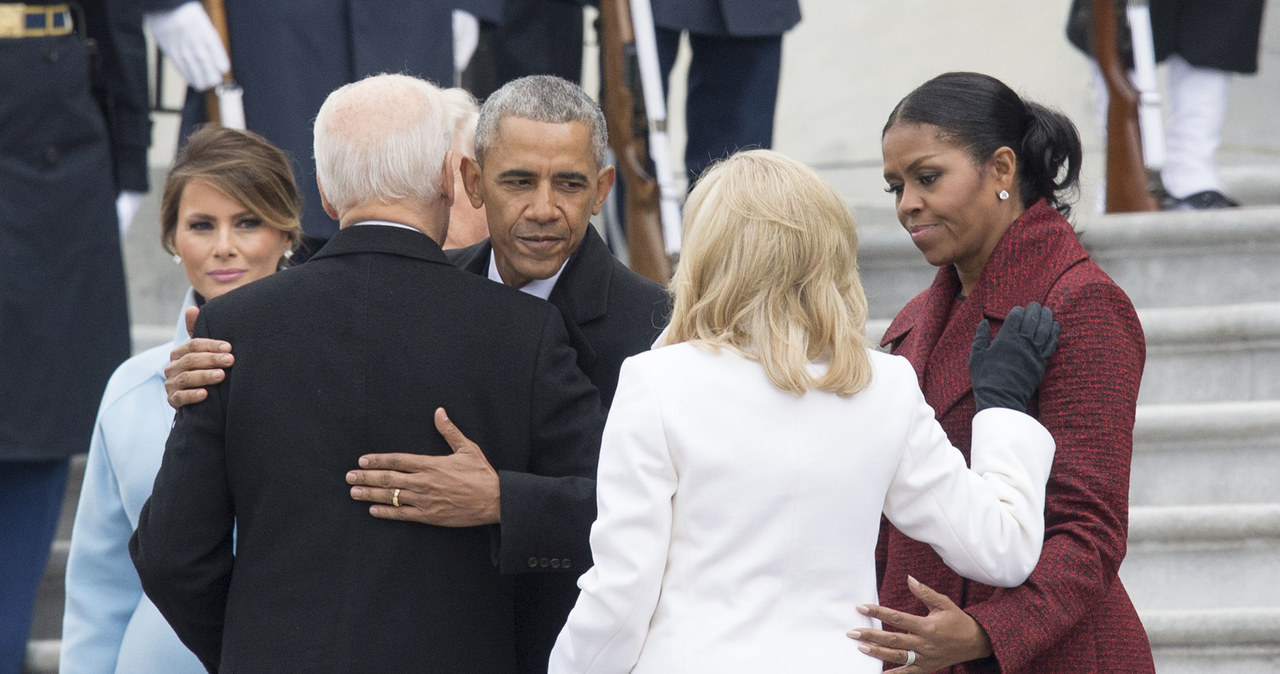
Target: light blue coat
[108, 624]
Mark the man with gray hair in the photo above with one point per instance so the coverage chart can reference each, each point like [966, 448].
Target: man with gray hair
[539, 172]
[365, 347]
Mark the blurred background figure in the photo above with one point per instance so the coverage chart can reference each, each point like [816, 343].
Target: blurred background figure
[288, 55]
[467, 224]
[73, 137]
[733, 76]
[524, 37]
[229, 216]
[1204, 44]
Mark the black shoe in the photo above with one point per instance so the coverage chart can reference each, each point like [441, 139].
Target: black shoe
[1199, 201]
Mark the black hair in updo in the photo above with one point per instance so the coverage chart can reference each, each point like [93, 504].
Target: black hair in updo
[982, 114]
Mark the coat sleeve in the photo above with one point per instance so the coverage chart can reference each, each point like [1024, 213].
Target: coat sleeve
[630, 540]
[183, 548]
[986, 523]
[1087, 400]
[547, 510]
[102, 587]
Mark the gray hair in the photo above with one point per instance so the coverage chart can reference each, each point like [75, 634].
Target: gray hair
[384, 137]
[541, 98]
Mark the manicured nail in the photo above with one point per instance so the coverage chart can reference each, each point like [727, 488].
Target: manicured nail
[864, 609]
[865, 649]
[855, 634]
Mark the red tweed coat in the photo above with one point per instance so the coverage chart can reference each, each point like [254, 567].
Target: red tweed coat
[1072, 614]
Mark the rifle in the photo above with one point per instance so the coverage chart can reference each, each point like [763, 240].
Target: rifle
[638, 147]
[1127, 189]
[223, 104]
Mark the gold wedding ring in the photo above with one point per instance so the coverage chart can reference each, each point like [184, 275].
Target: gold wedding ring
[395, 498]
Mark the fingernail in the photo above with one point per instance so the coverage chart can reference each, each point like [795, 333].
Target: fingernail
[364, 463]
[357, 492]
[351, 477]
[374, 510]
[225, 360]
[864, 609]
[855, 634]
[912, 580]
[865, 649]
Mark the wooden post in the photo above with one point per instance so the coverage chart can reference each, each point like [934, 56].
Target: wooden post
[624, 110]
[1126, 173]
[218, 16]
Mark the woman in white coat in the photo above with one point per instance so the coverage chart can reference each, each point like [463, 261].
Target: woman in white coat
[746, 462]
[229, 215]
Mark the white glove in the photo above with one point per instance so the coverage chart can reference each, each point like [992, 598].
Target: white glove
[466, 37]
[126, 207]
[187, 36]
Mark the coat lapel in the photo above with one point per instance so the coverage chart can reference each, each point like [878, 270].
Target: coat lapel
[938, 343]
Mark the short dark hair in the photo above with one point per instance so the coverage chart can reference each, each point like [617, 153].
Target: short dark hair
[981, 114]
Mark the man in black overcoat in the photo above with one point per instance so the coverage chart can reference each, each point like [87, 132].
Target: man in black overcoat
[369, 345]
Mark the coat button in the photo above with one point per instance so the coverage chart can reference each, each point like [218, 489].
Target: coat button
[544, 562]
[564, 563]
[51, 155]
[533, 562]
[52, 55]
[555, 563]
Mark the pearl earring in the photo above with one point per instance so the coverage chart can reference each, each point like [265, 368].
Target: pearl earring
[177, 259]
[1004, 194]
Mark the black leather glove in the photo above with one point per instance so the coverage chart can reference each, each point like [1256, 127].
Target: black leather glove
[1007, 370]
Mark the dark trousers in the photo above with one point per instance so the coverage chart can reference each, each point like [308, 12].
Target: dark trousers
[30, 502]
[732, 93]
[536, 37]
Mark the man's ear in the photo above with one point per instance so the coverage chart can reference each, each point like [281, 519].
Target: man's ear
[604, 183]
[324, 201]
[472, 174]
[446, 178]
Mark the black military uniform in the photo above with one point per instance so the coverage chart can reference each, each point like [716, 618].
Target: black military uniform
[64, 323]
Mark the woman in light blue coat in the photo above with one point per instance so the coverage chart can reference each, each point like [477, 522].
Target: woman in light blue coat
[229, 215]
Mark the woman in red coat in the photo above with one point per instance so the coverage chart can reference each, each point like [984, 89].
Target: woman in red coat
[978, 176]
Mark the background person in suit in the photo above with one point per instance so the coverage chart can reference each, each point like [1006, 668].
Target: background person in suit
[979, 176]
[747, 460]
[736, 50]
[230, 213]
[348, 352]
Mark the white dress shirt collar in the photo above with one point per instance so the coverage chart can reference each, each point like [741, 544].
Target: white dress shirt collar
[540, 288]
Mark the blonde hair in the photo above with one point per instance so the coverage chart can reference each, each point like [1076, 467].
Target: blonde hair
[769, 270]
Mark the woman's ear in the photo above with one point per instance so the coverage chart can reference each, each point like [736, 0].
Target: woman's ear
[1004, 164]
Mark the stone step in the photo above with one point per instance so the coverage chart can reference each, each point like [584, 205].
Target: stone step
[1167, 259]
[1212, 353]
[1203, 557]
[1214, 641]
[1205, 453]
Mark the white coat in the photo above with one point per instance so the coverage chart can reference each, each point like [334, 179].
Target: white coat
[737, 522]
